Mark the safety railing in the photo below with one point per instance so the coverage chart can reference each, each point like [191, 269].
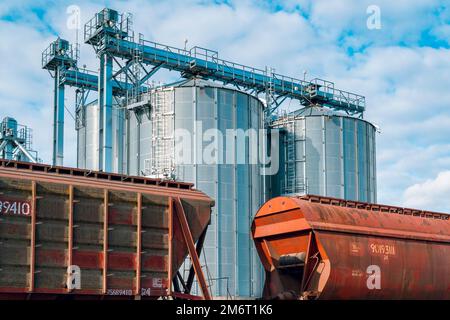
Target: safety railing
[203, 53]
[199, 60]
[48, 54]
[79, 74]
[56, 50]
[110, 20]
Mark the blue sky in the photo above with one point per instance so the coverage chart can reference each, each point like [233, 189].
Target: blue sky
[403, 68]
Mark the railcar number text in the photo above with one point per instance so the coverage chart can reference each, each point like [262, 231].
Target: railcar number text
[15, 207]
[383, 249]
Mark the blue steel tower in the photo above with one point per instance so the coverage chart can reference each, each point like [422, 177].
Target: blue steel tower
[57, 58]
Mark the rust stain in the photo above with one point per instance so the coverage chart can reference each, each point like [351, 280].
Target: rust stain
[361, 247]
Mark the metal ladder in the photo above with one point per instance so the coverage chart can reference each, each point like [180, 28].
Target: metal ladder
[134, 94]
[269, 89]
[162, 164]
[290, 157]
[293, 184]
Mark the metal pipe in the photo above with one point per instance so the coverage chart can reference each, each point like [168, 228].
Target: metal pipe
[58, 120]
[105, 97]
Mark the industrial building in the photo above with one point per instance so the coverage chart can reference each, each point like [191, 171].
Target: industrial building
[16, 141]
[130, 128]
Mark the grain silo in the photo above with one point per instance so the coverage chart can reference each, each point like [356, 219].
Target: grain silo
[197, 108]
[88, 133]
[138, 141]
[326, 153]
[200, 112]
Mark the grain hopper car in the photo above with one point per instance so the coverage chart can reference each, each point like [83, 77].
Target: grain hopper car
[71, 233]
[314, 247]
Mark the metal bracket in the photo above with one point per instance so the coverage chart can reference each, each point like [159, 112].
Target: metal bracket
[180, 216]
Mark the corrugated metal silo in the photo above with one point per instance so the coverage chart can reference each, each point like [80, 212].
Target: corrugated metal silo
[237, 187]
[88, 138]
[138, 141]
[327, 153]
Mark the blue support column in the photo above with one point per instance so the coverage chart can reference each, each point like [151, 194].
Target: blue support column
[58, 120]
[105, 106]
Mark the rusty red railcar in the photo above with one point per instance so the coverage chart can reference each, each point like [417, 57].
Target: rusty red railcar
[315, 247]
[75, 233]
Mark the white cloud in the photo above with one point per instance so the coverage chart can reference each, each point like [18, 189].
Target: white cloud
[407, 96]
[23, 83]
[432, 194]
[402, 165]
[404, 80]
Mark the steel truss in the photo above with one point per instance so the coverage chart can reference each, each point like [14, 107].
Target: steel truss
[126, 64]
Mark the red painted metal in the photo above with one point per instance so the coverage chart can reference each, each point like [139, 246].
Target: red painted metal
[88, 178]
[75, 172]
[351, 250]
[118, 230]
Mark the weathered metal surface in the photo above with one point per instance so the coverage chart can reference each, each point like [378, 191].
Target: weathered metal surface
[115, 232]
[353, 250]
